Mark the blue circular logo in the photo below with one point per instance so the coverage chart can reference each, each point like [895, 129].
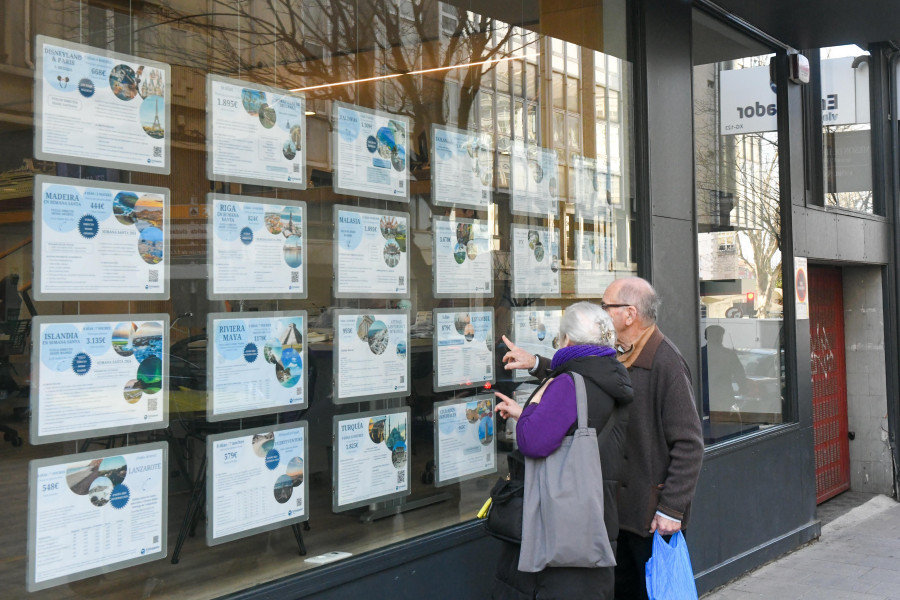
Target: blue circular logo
[250, 352]
[81, 364]
[86, 87]
[371, 144]
[120, 496]
[88, 226]
[247, 236]
[272, 459]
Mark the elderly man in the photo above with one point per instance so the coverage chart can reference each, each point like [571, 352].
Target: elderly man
[664, 448]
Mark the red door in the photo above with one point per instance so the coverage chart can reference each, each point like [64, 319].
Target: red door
[829, 382]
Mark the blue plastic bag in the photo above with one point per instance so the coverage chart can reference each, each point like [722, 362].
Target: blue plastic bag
[669, 573]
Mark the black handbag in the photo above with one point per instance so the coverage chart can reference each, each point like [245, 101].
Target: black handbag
[504, 521]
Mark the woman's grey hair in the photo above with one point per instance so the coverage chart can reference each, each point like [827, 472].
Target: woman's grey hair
[586, 323]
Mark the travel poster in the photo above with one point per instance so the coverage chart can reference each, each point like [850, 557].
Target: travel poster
[371, 258]
[257, 362]
[256, 134]
[463, 265]
[590, 190]
[535, 261]
[536, 329]
[372, 355]
[101, 108]
[257, 248]
[462, 168]
[256, 481]
[94, 376]
[101, 241]
[594, 253]
[464, 445]
[371, 458]
[463, 348]
[96, 512]
[370, 153]
[534, 188]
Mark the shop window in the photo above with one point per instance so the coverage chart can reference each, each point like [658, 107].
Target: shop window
[259, 257]
[738, 203]
[846, 129]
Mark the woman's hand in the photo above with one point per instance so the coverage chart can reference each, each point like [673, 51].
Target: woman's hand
[507, 407]
[517, 358]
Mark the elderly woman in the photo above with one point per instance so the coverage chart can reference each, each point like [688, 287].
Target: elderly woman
[587, 339]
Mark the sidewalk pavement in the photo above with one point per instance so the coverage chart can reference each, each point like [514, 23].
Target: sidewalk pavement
[856, 558]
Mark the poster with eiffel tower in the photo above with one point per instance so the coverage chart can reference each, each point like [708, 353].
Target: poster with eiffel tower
[100, 108]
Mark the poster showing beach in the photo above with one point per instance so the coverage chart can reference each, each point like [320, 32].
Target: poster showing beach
[256, 134]
[256, 481]
[534, 180]
[464, 446]
[594, 267]
[257, 248]
[102, 375]
[257, 364]
[101, 108]
[463, 348]
[462, 168]
[370, 153]
[101, 241]
[371, 257]
[76, 502]
[534, 254]
[463, 261]
[535, 329]
[371, 359]
[371, 458]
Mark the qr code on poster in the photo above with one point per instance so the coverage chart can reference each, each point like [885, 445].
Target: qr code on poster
[401, 476]
[295, 277]
[151, 404]
[403, 379]
[296, 168]
[155, 539]
[157, 151]
[153, 275]
[402, 279]
[299, 502]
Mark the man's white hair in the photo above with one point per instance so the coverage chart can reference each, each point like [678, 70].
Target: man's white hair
[588, 324]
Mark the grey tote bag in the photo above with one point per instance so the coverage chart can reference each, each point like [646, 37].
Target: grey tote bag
[562, 517]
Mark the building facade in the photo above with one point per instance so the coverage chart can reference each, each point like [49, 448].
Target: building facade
[326, 214]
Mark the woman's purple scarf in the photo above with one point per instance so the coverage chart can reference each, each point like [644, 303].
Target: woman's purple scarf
[564, 355]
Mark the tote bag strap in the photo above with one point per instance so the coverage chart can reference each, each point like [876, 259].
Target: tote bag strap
[581, 403]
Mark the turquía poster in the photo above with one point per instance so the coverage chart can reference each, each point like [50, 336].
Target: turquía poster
[537, 331]
[370, 153]
[593, 273]
[258, 248]
[100, 241]
[535, 261]
[96, 512]
[371, 458]
[463, 265]
[94, 376]
[464, 445]
[256, 481]
[371, 253]
[101, 108]
[463, 348]
[256, 134]
[372, 355]
[257, 363]
[534, 181]
[462, 168]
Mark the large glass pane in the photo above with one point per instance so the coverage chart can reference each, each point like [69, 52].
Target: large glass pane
[324, 215]
[738, 199]
[846, 130]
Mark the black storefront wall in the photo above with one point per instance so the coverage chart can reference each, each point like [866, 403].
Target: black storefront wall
[756, 496]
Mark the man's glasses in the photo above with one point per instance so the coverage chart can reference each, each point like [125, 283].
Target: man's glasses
[606, 306]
